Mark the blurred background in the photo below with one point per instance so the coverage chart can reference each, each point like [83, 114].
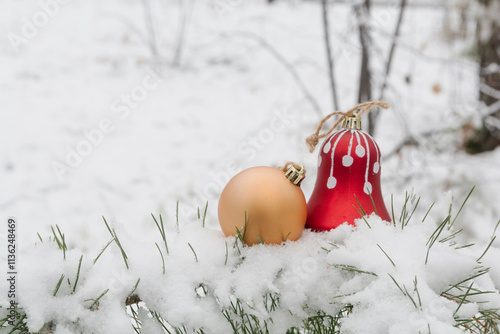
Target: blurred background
[123, 108]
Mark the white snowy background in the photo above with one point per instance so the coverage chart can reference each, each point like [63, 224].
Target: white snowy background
[203, 118]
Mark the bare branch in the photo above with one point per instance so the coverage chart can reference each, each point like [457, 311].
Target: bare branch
[365, 86]
[375, 114]
[329, 55]
[484, 88]
[492, 123]
[411, 140]
[184, 10]
[407, 141]
[392, 49]
[491, 110]
[425, 57]
[148, 19]
[279, 57]
[494, 108]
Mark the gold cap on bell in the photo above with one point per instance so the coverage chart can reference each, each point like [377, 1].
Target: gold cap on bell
[352, 122]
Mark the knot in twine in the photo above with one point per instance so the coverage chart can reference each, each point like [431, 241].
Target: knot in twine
[364, 107]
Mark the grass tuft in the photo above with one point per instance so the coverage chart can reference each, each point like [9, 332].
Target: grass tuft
[161, 229]
[60, 239]
[117, 242]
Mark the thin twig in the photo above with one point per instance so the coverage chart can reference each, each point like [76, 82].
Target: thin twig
[491, 110]
[365, 88]
[185, 7]
[395, 36]
[148, 19]
[410, 140]
[329, 55]
[407, 141]
[390, 57]
[403, 44]
[281, 59]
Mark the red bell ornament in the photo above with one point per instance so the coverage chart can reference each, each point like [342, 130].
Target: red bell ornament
[348, 180]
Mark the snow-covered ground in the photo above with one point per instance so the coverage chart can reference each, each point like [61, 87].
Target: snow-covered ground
[92, 126]
[387, 273]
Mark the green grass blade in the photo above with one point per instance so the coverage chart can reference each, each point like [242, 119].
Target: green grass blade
[387, 256]
[373, 203]
[462, 206]
[205, 214]
[161, 229]
[177, 216]
[78, 273]
[102, 250]
[227, 253]
[124, 255]
[195, 256]
[58, 285]
[362, 216]
[117, 242]
[392, 210]
[463, 299]
[134, 288]
[487, 248]
[395, 282]
[429, 210]
[162, 259]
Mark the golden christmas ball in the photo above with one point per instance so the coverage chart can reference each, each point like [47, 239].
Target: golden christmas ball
[264, 204]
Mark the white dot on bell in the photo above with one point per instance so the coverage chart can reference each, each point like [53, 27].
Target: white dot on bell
[326, 148]
[367, 188]
[360, 151]
[332, 182]
[376, 167]
[347, 160]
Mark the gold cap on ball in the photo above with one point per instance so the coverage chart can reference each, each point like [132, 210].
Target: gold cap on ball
[295, 175]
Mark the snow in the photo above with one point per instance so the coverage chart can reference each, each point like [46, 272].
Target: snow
[308, 275]
[152, 135]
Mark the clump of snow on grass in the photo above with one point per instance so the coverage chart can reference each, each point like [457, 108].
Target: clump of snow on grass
[377, 268]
